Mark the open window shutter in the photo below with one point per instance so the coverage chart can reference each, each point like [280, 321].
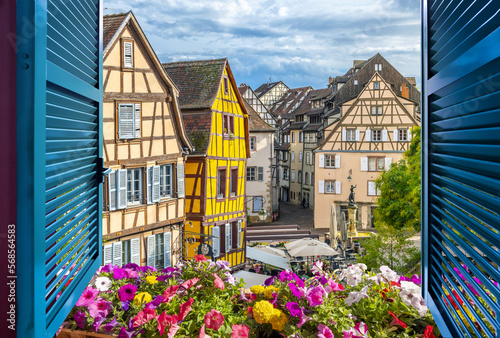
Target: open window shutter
[238, 240]
[128, 57]
[337, 161]
[108, 254]
[371, 188]
[388, 162]
[59, 159]
[338, 187]
[156, 184]
[149, 185]
[151, 251]
[112, 190]
[395, 134]
[126, 121]
[344, 135]
[216, 241]
[364, 163]
[137, 120]
[121, 182]
[321, 162]
[260, 173]
[357, 135]
[409, 134]
[228, 237]
[384, 135]
[321, 187]
[167, 244]
[117, 253]
[180, 180]
[368, 135]
[135, 251]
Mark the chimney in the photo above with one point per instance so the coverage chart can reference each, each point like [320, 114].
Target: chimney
[330, 80]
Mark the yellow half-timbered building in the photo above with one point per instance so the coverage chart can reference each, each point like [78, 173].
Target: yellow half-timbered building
[216, 122]
[145, 146]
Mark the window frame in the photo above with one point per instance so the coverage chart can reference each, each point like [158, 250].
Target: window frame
[249, 177]
[233, 186]
[227, 125]
[377, 159]
[221, 183]
[377, 190]
[376, 85]
[140, 190]
[405, 131]
[253, 143]
[333, 187]
[350, 135]
[118, 105]
[261, 203]
[125, 67]
[374, 133]
[170, 195]
[332, 161]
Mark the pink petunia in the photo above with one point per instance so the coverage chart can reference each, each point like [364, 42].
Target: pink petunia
[315, 296]
[170, 293]
[99, 308]
[127, 292]
[218, 283]
[167, 321]
[87, 296]
[200, 258]
[202, 332]
[144, 317]
[184, 308]
[213, 319]
[324, 331]
[240, 331]
[189, 283]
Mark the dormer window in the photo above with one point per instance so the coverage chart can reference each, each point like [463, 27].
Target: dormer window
[226, 86]
[128, 54]
[355, 82]
[376, 85]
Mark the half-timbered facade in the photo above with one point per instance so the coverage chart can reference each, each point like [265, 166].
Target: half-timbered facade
[217, 125]
[253, 100]
[374, 130]
[144, 141]
[271, 92]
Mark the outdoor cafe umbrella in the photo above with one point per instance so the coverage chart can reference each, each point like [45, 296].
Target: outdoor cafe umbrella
[302, 242]
[333, 227]
[312, 249]
[270, 250]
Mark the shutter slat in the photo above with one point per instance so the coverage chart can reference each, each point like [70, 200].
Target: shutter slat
[167, 244]
[117, 253]
[135, 251]
[121, 184]
[151, 251]
[180, 181]
[156, 183]
[107, 254]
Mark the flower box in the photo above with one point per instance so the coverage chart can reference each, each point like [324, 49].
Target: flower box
[67, 333]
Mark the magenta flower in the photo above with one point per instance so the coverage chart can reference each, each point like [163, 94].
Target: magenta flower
[303, 319]
[97, 323]
[127, 292]
[184, 308]
[324, 331]
[295, 290]
[129, 273]
[99, 308]
[167, 321]
[294, 309]
[358, 331]
[170, 293]
[87, 297]
[331, 286]
[118, 274]
[315, 296]
[80, 319]
[110, 325]
[286, 276]
[213, 319]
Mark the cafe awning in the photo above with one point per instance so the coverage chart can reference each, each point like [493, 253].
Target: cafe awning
[268, 258]
[250, 278]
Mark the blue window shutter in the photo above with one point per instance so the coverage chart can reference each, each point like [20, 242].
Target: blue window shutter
[461, 162]
[59, 138]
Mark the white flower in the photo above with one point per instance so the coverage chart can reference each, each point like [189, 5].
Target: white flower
[389, 274]
[354, 274]
[318, 268]
[355, 297]
[418, 303]
[102, 283]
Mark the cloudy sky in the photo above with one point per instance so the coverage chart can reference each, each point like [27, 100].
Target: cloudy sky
[301, 42]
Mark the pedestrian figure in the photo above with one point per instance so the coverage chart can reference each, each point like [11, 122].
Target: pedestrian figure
[304, 203]
[327, 240]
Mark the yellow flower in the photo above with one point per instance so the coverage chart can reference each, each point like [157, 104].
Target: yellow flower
[151, 280]
[279, 320]
[257, 289]
[268, 291]
[142, 297]
[263, 312]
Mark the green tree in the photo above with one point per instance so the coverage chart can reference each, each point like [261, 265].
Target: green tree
[399, 201]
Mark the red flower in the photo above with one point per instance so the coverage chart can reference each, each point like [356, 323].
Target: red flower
[200, 258]
[395, 284]
[396, 321]
[189, 283]
[144, 317]
[218, 283]
[213, 319]
[167, 321]
[428, 332]
[184, 308]
[169, 293]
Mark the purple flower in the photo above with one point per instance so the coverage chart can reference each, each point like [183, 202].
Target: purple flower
[285, 276]
[324, 331]
[87, 297]
[302, 319]
[125, 305]
[80, 319]
[97, 323]
[118, 274]
[416, 279]
[295, 290]
[124, 333]
[127, 292]
[323, 280]
[155, 302]
[110, 325]
[132, 266]
[294, 309]
[269, 281]
[145, 269]
[129, 273]
[223, 265]
[107, 268]
[404, 279]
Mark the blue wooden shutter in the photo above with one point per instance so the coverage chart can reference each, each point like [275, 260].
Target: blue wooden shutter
[461, 165]
[59, 158]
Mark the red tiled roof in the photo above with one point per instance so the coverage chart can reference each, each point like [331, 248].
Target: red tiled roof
[110, 24]
[198, 81]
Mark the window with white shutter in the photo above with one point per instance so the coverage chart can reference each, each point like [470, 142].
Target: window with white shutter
[167, 244]
[112, 192]
[180, 180]
[216, 241]
[128, 54]
[228, 235]
[372, 189]
[384, 135]
[135, 251]
[388, 162]
[155, 188]
[364, 163]
[395, 135]
[107, 254]
[121, 186]
[129, 120]
[337, 161]
[117, 253]
[151, 251]
[321, 162]
[321, 187]
[260, 174]
[238, 240]
[368, 135]
[338, 187]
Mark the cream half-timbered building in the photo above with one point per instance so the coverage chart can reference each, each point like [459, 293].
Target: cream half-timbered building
[374, 131]
[144, 142]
